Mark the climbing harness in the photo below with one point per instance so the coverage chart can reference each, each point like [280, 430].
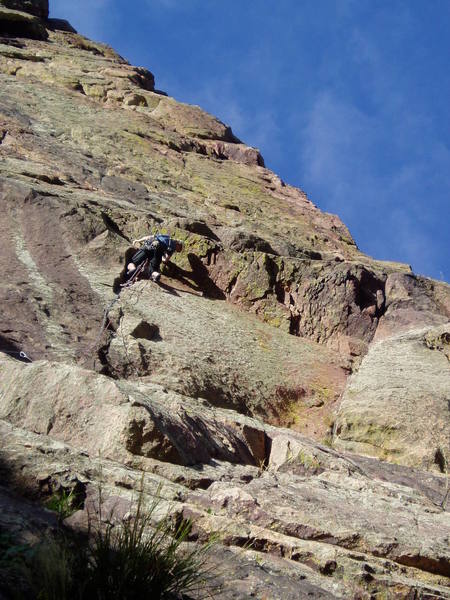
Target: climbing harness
[138, 270]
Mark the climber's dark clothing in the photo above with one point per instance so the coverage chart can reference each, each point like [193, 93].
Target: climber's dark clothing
[154, 250]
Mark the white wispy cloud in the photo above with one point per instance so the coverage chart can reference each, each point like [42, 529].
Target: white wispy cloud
[337, 139]
[339, 162]
[372, 151]
[255, 123]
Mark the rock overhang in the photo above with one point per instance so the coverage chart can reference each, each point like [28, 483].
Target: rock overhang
[38, 8]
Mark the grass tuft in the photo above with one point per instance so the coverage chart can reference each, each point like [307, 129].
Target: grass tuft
[136, 559]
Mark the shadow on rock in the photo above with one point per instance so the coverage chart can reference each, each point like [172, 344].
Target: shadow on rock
[201, 277]
[197, 279]
[169, 289]
[11, 349]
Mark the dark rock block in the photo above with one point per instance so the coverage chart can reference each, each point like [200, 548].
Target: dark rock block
[38, 8]
[60, 25]
[19, 24]
[124, 187]
[239, 241]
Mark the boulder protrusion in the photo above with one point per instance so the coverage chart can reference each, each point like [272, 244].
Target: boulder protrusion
[38, 8]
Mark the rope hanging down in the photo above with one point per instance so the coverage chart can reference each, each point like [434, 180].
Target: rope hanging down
[105, 321]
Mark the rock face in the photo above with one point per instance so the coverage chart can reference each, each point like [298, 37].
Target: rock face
[18, 23]
[39, 8]
[313, 523]
[234, 360]
[269, 330]
[396, 405]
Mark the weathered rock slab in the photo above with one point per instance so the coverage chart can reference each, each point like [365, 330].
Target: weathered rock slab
[207, 349]
[124, 420]
[299, 529]
[396, 406]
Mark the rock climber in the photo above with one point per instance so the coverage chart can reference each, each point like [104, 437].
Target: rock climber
[156, 248]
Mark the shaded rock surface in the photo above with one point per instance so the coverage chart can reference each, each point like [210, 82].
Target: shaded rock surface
[39, 8]
[18, 23]
[317, 523]
[214, 383]
[411, 303]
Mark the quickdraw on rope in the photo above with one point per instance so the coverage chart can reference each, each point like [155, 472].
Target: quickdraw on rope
[132, 279]
[21, 354]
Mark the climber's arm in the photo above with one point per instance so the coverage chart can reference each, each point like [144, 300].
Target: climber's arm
[142, 239]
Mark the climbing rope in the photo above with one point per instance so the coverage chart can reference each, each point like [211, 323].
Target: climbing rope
[132, 279]
[106, 322]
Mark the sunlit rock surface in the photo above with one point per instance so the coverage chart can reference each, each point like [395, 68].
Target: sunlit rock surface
[272, 348]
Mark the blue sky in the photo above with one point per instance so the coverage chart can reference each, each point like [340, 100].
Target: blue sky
[347, 99]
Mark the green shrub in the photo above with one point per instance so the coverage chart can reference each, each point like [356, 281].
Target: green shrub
[62, 502]
[131, 560]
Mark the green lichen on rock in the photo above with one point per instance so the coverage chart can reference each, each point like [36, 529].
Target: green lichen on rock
[382, 440]
[439, 340]
[309, 461]
[274, 314]
[395, 405]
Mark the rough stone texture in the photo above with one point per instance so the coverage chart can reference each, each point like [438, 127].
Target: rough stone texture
[21, 24]
[317, 523]
[122, 420]
[412, 302]
[233, 360]
[39, 8]
[397, 406]
[328, 516]
[60, 25]
[256, 324]
[42, 465]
